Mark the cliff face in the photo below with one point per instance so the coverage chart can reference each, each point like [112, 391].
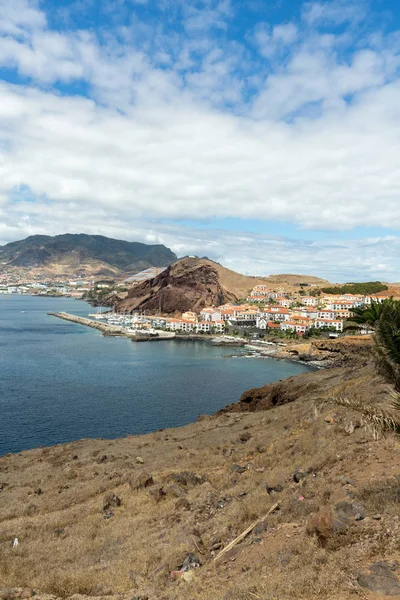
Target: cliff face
[341, 352]
[189, 284]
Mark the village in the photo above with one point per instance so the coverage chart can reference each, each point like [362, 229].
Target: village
[73, 287]
[263, 312]
[270, 311]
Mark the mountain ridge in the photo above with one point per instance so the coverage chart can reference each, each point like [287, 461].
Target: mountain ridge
[91, 254]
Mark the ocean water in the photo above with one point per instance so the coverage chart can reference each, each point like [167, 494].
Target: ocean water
[61, 382]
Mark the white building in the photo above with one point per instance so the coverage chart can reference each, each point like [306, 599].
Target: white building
[246, 316]
[276, 313]
[341, 304]
[325, 323]
[180, 325]
[262, 323]
[203, 326]
[326, 314]
[299, 328]
[309, 300]
[218, 326]
[285, 302]
[380, 299]
[210, 314]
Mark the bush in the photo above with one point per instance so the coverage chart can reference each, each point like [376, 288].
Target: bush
[362, 288]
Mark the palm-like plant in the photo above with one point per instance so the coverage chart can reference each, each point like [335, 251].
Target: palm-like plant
[368, 315]
[387, 343]
[384, 319]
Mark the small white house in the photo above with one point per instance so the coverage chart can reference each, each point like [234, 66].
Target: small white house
[326, 314]
[218, 326]
[210, 314]
[309, 300]
[262, 323]
[325, 323]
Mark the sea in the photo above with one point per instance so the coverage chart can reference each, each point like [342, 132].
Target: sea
[61, 382]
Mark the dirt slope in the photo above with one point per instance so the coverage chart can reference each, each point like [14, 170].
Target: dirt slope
[90, 520]
[295, 280]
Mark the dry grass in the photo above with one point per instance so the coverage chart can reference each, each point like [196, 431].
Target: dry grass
[379, 419]
[382, 494]
[66, 545]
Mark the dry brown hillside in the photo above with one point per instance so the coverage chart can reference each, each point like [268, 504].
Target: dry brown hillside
[296, 280]
[148, 516]
[240, 285]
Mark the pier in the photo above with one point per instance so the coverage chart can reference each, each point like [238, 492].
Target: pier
[113, 330]
[103, 327]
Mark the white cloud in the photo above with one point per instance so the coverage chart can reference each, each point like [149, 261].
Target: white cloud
[336, 12]
[273, 40]
[191, 128]
[287, 34]
[246, 252]
[19, 17]
[188, 161]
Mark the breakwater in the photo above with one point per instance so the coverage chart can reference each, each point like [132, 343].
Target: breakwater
[114, 330]
[103, 327]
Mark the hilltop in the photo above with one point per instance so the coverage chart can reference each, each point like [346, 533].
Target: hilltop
[290, 281]
[242, 284]
[118, 518]
[188, 284]
[68, 254]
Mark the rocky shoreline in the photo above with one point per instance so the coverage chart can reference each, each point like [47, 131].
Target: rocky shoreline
[319, 353]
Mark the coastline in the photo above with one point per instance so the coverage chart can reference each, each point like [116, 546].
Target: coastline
[84, 373]
[146, 502]
[273, 350]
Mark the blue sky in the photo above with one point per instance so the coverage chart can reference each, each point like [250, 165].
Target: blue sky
[263, 134]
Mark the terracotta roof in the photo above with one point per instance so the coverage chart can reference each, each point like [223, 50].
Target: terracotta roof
[330, 320]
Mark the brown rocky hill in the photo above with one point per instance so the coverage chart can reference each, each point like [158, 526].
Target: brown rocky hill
[148, 516]
[188, 284]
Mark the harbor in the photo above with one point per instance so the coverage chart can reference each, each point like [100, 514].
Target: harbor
[114, 326]
[139, 329]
